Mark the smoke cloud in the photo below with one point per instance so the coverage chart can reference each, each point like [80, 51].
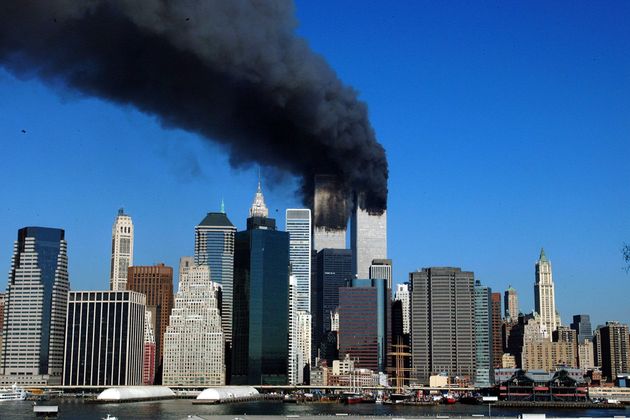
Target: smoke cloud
[232, 71]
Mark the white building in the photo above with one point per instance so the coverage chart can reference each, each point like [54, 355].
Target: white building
[382, 269]
[299, 336]
[35, 307]
[402, 294]
[368, 237]
[586, 357]
[194, 341]
[545, 299]
[298, 223]
[122, 251]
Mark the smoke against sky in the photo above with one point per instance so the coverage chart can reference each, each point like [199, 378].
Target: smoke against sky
[231, 71]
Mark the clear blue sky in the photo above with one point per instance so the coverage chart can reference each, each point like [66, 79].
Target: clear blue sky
[506, 126]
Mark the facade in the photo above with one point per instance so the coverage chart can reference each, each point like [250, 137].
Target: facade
[37, 292]
[214, 247]
[298, 222]
[104, 338]
[149, 356]
[614, 349]
[260, 343]
[582, 326]
[496, 329]
[368, 238]
[442, 323]
[1, 319]
[403, 295]
[545, 299]
[564, 334]
[539, 352]
[364, 323]
[184, 265]
[586, 357]
[194, 340]
[511, 304]
[382, 269]
[299, 337]
[156, 283]
[329, 231]
[122, 251]
[334, 270]
[483, 335]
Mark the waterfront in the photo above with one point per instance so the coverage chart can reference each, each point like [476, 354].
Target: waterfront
[181, 409]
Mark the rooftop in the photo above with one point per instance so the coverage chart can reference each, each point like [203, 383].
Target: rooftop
[216, 219]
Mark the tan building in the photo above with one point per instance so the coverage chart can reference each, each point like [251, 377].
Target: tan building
[564, 334]
[156, 282]
[508, 361]
[586, 358]
[540, 353]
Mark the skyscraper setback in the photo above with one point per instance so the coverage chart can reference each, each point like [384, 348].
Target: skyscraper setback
[545, 298]
[122, 250]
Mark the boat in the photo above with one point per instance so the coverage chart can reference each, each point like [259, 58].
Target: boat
[470, 399]
[12, 394]
[352, 398]
[449, 399]
[110, 417]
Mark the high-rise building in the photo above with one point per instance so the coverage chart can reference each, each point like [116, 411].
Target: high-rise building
[334, 270]
[299, 336]
[35, 307]
[156, 283]
[298, 223]
[184, 265]
[483, 335]
[368, 238]
[260, 347]
[381, 269]
[214, 247]
[149, 356]
[122, 251]
[586, 357]
[194, 341]
[1, 319]
[537, 351]
[329, 214]
[564, 334]
[402, 294]
[582, 326]
[442, 317]
[614, 348]
[511, 304]
[497, 336]
[104, 338]
[544, 294]
[365, 323]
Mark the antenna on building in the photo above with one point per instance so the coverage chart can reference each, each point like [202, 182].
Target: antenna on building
[222, 206]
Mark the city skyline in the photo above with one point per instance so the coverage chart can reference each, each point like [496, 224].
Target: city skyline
[512, 102]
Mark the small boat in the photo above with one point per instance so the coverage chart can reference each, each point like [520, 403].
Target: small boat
[449, 399]
[470, 399]
[14, 393]
[352, 399]
[110, 417]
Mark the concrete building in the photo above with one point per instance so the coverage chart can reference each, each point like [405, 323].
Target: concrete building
[564, 334]
[586, 357]
[365, 323]
[508, 361]
[149, 353]
[511, 304]
[194, 341]
[122, 251]
[104, 338]
[442, 322]
[260, 340]
[156, 283]
[545, 298]
[496, 329]
[298, 223]
[483, 335]
[382, 269]
[540, 353]
[614, 348]
[403, 295]
[299, 337]
[35, 307]
[329, 214]
[368, 238]
[214, 247]
[1, 319]
[582, 325]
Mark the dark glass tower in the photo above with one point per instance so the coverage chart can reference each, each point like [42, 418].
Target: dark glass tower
[582, 325]
[260, 331]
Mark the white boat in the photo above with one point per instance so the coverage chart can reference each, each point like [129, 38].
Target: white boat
[110, 417]
[12, 394]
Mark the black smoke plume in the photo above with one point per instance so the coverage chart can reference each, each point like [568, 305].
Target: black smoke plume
[232, 71]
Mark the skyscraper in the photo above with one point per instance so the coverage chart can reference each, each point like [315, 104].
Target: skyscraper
[511, 305]
[260, 347]
[329, 208]
[156, 283]
[544, 294]
[35, 307]
[497, 336]
[381, 268]
[483, 335]
[1, 319]
[614, 349]
[299, 336]
[214, 247]
[194, 341]
[149, 356]
[403, 295]
[298, 223]
[582, 326]
[442, 317]
[368, 236]
[365, 323]
[104, 338]
[122, 251]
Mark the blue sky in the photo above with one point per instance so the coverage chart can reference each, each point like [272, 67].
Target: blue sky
[506, 126]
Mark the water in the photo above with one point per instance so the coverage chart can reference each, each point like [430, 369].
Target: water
[181, 409]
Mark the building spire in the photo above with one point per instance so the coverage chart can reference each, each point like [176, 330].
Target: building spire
[222, 206]
[259, 209]
[543, 257]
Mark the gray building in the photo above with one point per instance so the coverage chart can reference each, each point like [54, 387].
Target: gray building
[613, 349]
[582, 326]
[368, 239]
[483, 335]
[298, 222]
[442, 322]
[381, 268]
[104, 338]
[35, 307]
